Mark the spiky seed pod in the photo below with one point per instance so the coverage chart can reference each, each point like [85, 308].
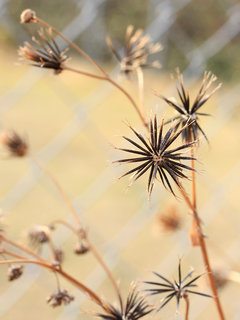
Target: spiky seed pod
[16, 145]
[14, 272]
[27, 16]
[154, 155]
[45, 53]
[135, 308]
[137, 50]
[179, 289]
[59, 298]
[190, 112]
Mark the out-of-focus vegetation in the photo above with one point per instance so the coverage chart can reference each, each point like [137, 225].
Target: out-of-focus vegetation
[195, 23]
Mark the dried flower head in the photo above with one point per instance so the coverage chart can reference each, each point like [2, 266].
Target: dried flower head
[16, 145]
[179, 289]
[136, 51]
[39, 235]
[59, 298]
[14, 272]
[186, 111]
[81, 247]
[135, 308]
[45, 53]
[27, 16]
[58, 255]
[170, 220]
[154, 156]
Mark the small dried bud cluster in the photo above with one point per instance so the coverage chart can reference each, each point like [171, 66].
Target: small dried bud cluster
[39, 235]
[14, 272]
[137, 49]
[170, 220]
[81, 247]
[58, 255]
[16, 145]
[59, 298]
[27, 16]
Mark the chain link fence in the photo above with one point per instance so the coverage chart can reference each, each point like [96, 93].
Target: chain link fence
[124, 225]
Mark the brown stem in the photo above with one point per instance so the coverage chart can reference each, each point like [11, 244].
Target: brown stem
[60, 189]
[107, 270]
[202, 242]
[84, 73]
[74, 281]
[93, 62]
[131, 100]
[72, 210]
[186, 298]
[66, 224]
[73, 45]
[21, 247]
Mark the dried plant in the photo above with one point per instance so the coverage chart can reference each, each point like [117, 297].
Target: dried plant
[59, 298]
[186, 111]
[179, 289]
[45, 53]
[137, 50]
[135, 308]
[156, 157]
[14, 143]
[14, 272]
[170, 220]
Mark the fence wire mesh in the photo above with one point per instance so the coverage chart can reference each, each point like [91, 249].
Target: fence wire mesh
[71, 128]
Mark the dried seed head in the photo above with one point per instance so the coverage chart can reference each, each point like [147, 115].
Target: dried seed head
[137, 49]
[179, 289]
[45, 53]
[170, 220]
[27, 16]
[136, 307]
[155, 155]
[58, 255]
[16, 145]
[81, 247]
[59, 298]
[187, 111]
[14, 272]
[39, 235]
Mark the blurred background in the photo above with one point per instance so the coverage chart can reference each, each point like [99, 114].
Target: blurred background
[72, 123]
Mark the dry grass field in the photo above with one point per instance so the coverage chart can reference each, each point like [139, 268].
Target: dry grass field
[72, 124]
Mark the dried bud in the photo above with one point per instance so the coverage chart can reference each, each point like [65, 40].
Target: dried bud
[39, 235]
[170, 220]
[27, 16]
[56, 299]
[16, 145]
[58, 255]
[81, 247]
[220, 277]
[14, 272]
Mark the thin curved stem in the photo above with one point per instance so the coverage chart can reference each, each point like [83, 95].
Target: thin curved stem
[93, 62]
[131, 100]
[60, 189]
[73, 45]
[87, 74]
[74, 281]
[186, 298]
[21, 247]
[74, 214]
[66, 224]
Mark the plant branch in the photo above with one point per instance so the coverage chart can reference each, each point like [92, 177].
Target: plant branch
[187, 301]
[74, 281]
